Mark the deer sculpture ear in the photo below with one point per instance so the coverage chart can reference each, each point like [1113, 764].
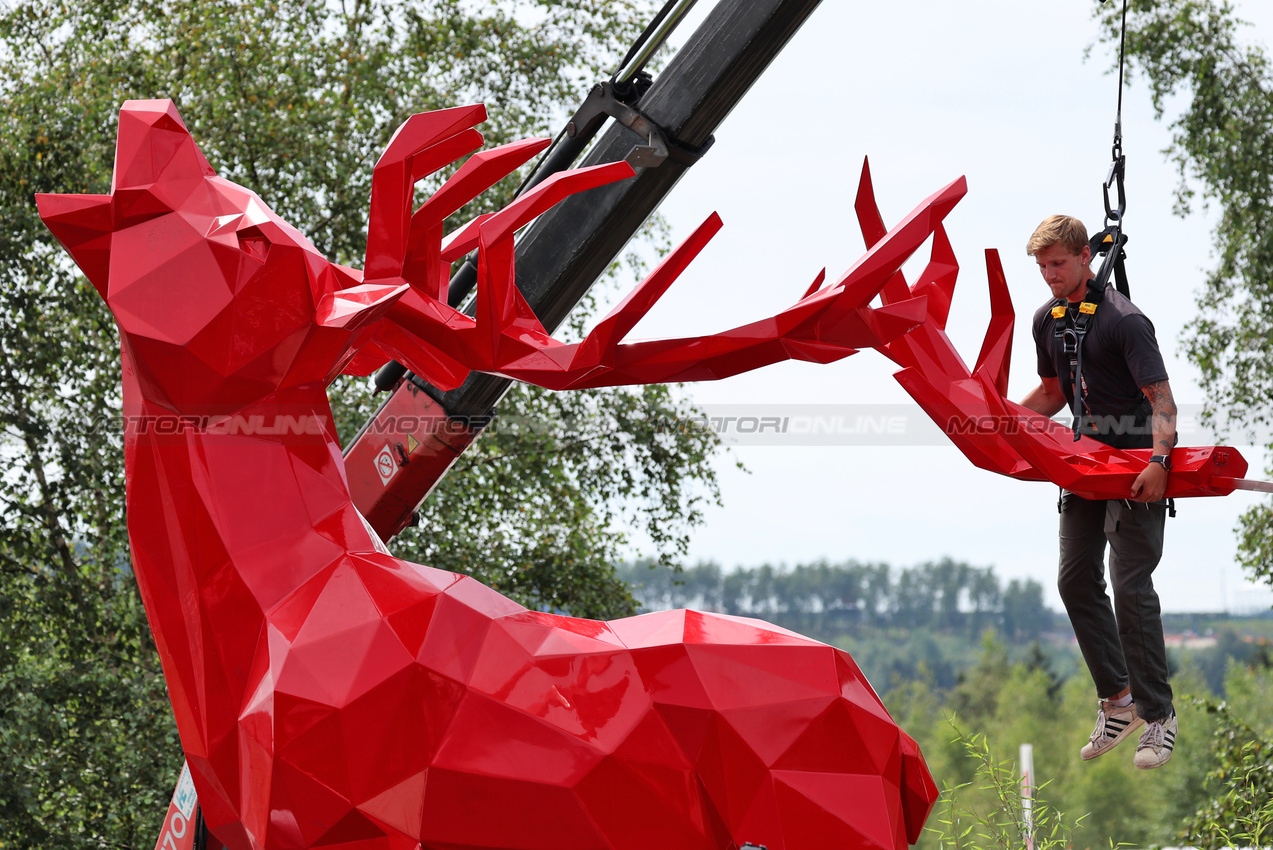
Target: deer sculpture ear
[158, 166]
[153, 145]
[83, 224]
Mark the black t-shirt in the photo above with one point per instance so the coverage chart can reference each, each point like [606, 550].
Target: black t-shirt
[1120, 355]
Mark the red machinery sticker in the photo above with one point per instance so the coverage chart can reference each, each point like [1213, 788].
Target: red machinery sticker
[178, 831]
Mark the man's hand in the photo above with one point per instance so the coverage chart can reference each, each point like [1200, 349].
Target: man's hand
[1150, 485]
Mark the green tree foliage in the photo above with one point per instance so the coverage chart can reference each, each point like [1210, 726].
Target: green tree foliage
[1009, 703]
[1239, 813]
[900, 625]
[295, 100]
[1215, 792]
[1222, 143]
[88, 749]
[829, 600]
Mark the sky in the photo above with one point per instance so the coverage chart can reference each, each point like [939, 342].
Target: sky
[994, 90]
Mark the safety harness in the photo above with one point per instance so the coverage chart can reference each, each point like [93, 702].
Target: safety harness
[1069, 329]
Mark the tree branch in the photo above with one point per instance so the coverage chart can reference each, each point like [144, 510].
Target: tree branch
[50, 514]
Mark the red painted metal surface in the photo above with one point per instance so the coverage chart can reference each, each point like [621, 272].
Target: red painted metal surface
[970, 405]
[329, 694]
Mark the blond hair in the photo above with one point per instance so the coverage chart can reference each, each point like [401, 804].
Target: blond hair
[1058, 230]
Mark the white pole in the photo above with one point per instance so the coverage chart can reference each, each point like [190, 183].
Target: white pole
[1027, 794]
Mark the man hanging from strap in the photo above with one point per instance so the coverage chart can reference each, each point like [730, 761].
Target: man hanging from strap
[1097, 352]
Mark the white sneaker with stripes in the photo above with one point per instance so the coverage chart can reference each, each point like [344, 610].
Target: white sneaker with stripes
[1156, 743]
[1113, 724]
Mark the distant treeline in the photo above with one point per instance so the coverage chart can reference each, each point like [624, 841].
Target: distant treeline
[826, 600]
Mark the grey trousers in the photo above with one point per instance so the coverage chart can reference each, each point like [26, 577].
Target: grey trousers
[1123, 644]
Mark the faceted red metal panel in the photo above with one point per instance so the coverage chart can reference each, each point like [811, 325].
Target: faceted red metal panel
[970, 405]
[331, 695]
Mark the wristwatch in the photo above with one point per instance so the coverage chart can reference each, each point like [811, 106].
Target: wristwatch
[1162, 460]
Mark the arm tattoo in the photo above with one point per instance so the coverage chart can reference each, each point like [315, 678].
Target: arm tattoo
[1164, 412]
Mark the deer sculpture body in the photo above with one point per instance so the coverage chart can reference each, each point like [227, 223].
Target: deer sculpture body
[330, 695]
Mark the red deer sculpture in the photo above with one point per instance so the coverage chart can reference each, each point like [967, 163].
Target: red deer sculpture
[331, 695]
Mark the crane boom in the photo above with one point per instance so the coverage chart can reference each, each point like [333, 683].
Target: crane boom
[419, 432]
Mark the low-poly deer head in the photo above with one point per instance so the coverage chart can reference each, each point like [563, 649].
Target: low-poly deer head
[219, 302]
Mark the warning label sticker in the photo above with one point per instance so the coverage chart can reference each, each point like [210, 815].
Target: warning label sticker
[386, 465]
[412, 444]
[185, 797]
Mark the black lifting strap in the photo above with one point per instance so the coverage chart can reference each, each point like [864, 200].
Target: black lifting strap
[1069, 327]
[1110, 241]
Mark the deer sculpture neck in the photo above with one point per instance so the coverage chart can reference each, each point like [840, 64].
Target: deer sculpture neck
[267, 480]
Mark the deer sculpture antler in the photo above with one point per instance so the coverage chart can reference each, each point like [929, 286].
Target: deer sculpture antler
[442, 344]
[971, 405]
